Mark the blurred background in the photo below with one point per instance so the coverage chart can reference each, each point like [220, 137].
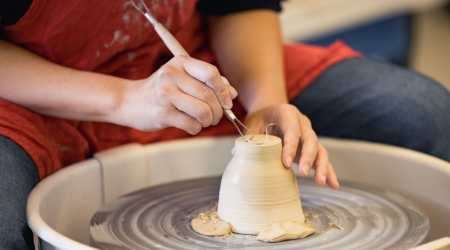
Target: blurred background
[410, 33]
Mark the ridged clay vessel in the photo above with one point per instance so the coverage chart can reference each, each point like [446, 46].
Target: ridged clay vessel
[256, 190]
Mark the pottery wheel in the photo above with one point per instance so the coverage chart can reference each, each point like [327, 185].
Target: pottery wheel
[355, 217]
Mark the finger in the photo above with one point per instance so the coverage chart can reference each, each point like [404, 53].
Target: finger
[233, 91]
[193, 107]
[290, 143]
[332, 179]
[210, 75]
[321, 165]
[200, 91]
[180, 120]
[309, 147]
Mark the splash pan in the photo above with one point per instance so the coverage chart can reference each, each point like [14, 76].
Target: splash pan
[377, 206]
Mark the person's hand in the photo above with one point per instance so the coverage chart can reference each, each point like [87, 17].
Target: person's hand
[185, 93]
[297, 134]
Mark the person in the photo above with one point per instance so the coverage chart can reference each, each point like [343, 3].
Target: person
[77, 77]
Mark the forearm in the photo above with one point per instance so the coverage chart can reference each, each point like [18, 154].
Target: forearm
[51, 89]
[248, 46]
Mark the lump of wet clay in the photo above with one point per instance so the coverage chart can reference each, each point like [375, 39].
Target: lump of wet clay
[288, 230]
[209, 224]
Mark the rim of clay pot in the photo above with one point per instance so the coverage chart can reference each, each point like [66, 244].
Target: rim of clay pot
[258, 140]
[266, 146]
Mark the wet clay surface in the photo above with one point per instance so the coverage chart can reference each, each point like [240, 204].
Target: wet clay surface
[356, 217]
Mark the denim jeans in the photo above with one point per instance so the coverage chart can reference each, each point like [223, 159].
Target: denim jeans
[357, 99]
[373, 101]
[18, 176]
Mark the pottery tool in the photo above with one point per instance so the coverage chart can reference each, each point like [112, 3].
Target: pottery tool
[356, 216]
[267, 130]
[177, 50]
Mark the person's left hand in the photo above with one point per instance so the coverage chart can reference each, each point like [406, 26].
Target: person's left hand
[297, 134]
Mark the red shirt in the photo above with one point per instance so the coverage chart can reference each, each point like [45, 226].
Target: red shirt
[111, 37]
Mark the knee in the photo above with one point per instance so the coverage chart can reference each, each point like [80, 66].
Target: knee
[410, 125]
[383, 103]
[418, 113]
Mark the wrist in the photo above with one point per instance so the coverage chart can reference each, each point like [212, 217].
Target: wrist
[259, 91]
[262, 100]
[114, 111]
[263, 105]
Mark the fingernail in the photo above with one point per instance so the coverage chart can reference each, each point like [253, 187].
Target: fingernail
[228, 104]
[305, 169]
[302, 169]
[322, 179]
[233, 92]
[289, 162]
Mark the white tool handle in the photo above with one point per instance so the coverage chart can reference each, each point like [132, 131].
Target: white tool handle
[169, 40]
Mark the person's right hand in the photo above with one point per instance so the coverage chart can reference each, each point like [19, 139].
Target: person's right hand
[185, 93]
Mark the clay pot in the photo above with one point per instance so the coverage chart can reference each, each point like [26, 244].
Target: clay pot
[256, 189]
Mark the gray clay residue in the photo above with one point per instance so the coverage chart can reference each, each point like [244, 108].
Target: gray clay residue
[355, 217]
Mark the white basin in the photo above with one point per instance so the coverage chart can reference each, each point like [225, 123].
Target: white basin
[60, 207]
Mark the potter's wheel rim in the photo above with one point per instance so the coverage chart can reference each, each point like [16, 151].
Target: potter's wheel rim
[394, 204]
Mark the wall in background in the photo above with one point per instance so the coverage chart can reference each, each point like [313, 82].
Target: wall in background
[307, 20]
[431, 46]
